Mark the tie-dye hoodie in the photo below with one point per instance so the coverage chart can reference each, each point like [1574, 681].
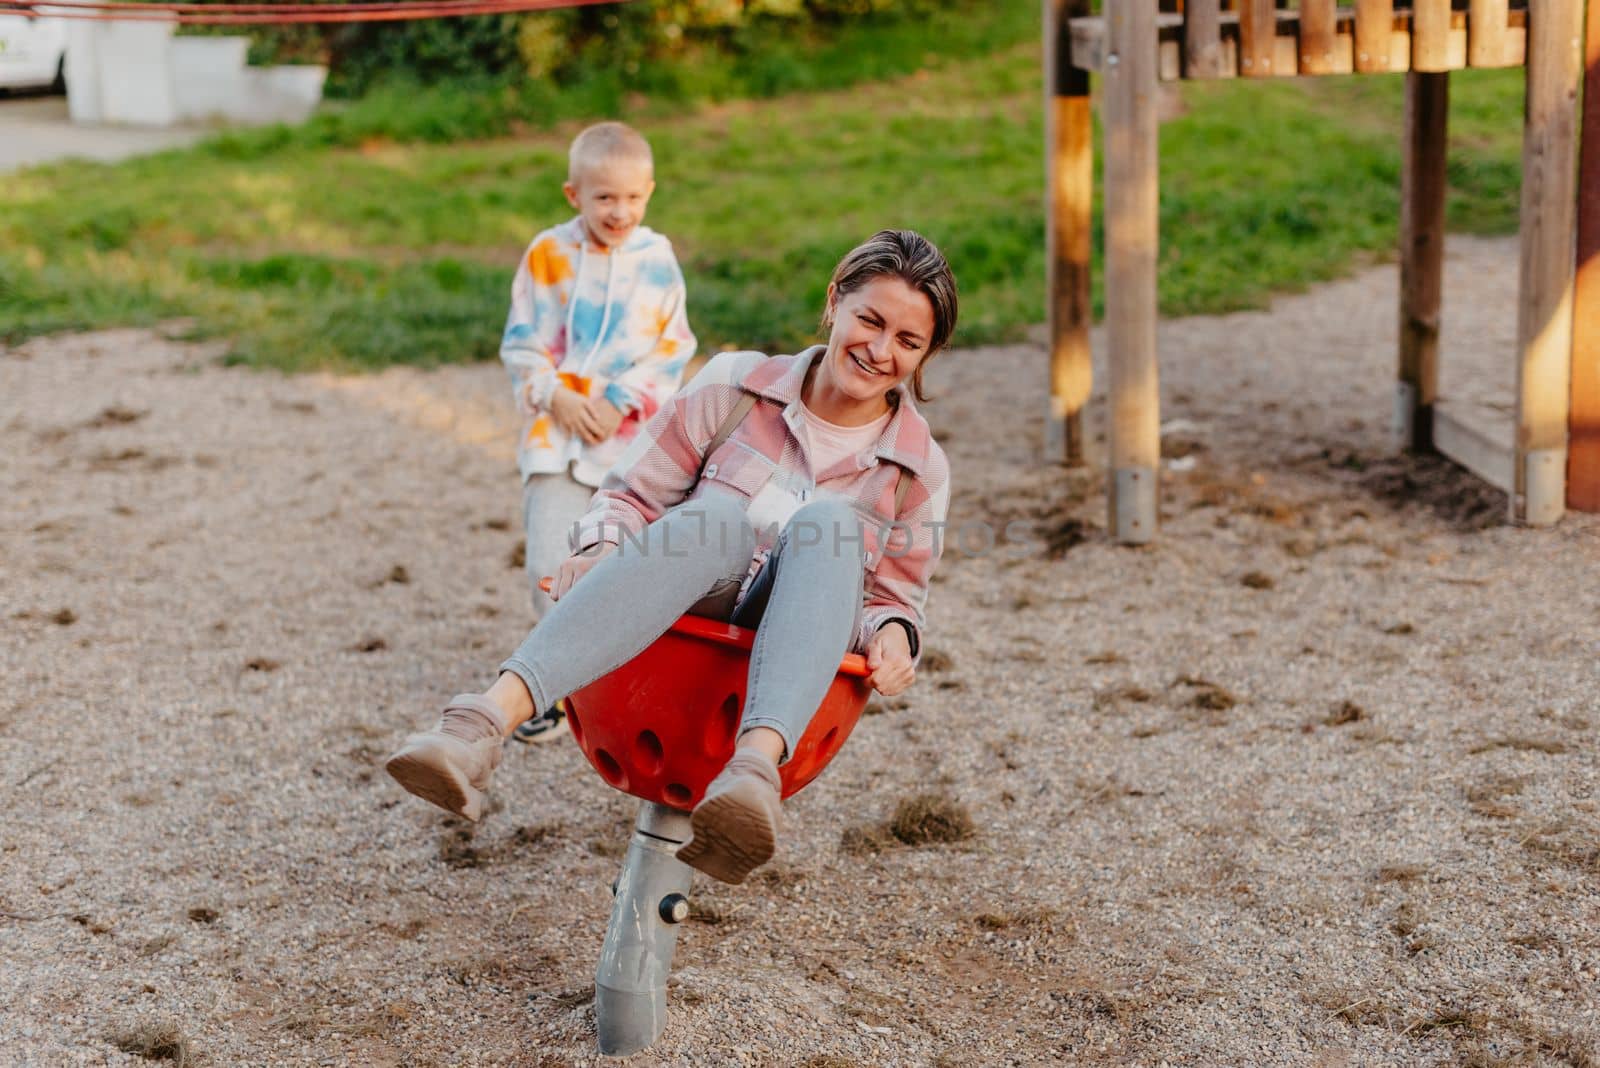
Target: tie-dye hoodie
[604, 322]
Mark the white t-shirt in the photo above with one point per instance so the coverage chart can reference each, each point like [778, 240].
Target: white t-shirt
[831, 443]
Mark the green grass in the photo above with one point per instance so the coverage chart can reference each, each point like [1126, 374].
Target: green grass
[308, 250]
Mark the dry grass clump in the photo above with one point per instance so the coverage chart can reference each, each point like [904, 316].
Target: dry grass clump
[1257, 580]
[1208, 698]
[1487, 797]
[156, 1042]
[1521, 745]
[1347, 712]
[1401, 873]
[1577, 847]
[920, 820]
[931, 819]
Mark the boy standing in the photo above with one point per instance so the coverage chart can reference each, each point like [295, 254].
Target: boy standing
[597, 338]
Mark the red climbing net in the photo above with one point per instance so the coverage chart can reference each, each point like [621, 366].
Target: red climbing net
[219, 14]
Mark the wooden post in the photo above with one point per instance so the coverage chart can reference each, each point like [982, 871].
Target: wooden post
[1422, 195]
[1069, 227]
[1132, 200]
[1583, 446]
[1318, 35]
[1374, 35]
[1549, 217]
[1202, 39]
[1486, 33]
[1258, 38]
[1430, 35]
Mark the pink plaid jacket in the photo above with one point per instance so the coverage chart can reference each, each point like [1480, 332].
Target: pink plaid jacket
[764, 463]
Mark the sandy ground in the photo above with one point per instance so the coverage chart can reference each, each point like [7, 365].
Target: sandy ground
[1309, 781]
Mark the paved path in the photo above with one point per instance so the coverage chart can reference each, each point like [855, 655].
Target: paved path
[35, 129]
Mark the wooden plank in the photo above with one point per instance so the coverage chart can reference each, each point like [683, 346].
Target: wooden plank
[1549, 219]
[1400, 45]
[1088, 42]
[1070, 184]
[1374, 32]
[1258, 35]
[1430, 35]
[1583, 423]
[1132, 245]
[1202, 39]
[1422, 197]
[1487, 457]
[1285, 56]
[1456, 42]
[1486, 41]
[1318, 36]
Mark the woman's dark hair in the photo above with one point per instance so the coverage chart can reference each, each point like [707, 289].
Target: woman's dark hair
[912, 258]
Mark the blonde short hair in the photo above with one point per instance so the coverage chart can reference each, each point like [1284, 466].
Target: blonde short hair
[605, 143]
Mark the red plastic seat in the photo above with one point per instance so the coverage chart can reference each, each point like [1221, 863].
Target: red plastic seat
[661, 726]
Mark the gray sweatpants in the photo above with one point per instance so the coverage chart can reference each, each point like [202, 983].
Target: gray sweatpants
[808, 599]
[551, 504]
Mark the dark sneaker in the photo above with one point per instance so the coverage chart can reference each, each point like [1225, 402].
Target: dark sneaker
[542, 728]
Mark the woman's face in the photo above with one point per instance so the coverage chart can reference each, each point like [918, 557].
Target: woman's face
[879, 338]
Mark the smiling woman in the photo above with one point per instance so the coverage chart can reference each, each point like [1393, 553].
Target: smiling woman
[33, 52]
[801, 496]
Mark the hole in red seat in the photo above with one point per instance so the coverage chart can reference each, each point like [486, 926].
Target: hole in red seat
[572, 722]
[647, 753]
[610, 770]
[723, 728]
[826, 745]
[677, 794]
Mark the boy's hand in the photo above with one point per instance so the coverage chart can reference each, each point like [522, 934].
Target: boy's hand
[606, 415]
[570, 410]
[574, 568]
[889, 660]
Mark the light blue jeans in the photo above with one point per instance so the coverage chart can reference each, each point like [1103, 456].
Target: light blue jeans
[804, 606]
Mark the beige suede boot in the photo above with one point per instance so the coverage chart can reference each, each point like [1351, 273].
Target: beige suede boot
[736, 824]
[451, 765]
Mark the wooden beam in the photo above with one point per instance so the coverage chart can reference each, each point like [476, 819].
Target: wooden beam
[1549, 218]
[1070, 184]
[1490, 458]
[1422, 197]
[1583, 445]
[1132, 201]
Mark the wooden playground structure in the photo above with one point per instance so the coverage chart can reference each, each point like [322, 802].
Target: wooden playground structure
[1553, 462]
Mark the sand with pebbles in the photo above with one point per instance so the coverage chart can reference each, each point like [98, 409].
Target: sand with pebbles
[1311, 780]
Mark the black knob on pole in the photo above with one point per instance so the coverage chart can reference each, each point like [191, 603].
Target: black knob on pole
[674, 908]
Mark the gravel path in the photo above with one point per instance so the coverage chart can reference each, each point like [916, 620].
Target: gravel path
[37, 129]
[1309, 781]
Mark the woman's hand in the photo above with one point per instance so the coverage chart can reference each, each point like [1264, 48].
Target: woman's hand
[574, 568]
[889, 660]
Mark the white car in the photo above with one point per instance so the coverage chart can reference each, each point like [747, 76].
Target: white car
[33, 52]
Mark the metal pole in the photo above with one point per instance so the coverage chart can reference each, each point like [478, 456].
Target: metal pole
[652, 899]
